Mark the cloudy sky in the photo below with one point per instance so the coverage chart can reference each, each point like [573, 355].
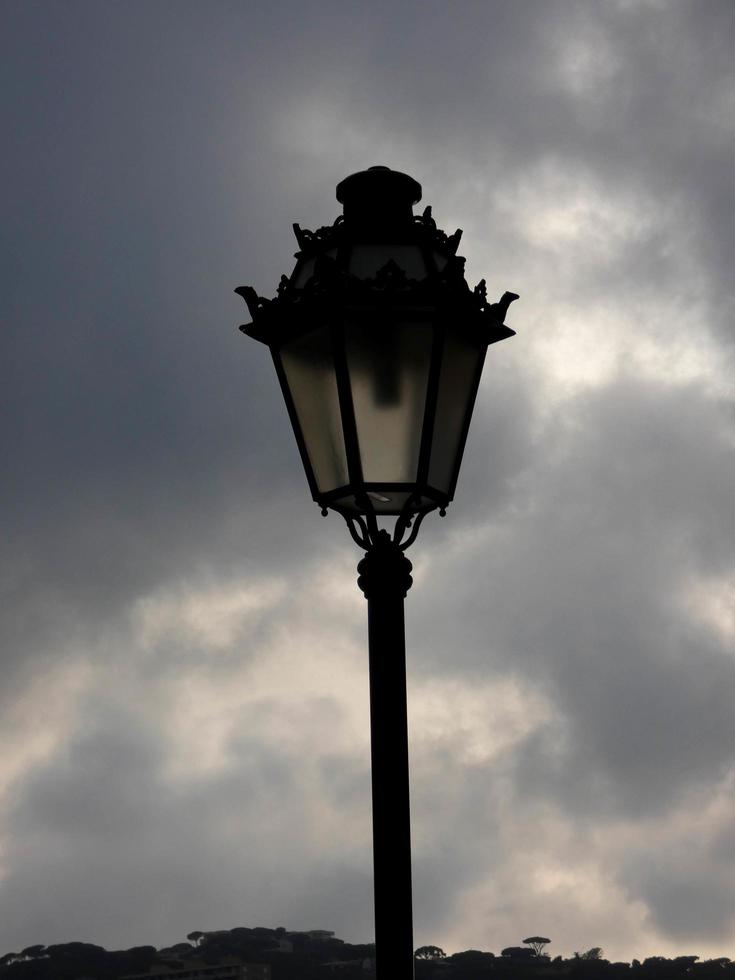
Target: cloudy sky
[183, 696]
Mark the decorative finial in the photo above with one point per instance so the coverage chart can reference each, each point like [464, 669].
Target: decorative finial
[500, 308]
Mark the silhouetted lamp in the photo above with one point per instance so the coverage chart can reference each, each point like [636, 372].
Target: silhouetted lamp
[379, 343]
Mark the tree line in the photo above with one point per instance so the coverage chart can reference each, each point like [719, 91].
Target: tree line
[319, 955]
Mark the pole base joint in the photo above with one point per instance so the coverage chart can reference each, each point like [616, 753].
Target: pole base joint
[384, 570]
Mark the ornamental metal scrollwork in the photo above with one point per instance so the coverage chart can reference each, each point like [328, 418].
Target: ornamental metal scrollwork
[481, 291]
[256, 304]
[309, 240]
[366, 533]
[328, 236]
[329, 284]
[500, 308]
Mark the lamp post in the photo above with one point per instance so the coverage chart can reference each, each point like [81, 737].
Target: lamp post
[379, 343]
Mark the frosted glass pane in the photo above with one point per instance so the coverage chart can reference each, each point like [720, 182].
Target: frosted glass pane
[309, 367]
[393, 505]
[456, 383]
[303, 272]
[439, 260]
[389, 367]
[305, 269]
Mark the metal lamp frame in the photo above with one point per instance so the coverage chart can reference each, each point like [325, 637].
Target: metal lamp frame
[330, 295]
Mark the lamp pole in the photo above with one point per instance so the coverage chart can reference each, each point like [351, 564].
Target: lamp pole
[385, 578]
[378, 344]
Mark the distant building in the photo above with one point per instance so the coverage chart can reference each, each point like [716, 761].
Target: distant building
[198, 970]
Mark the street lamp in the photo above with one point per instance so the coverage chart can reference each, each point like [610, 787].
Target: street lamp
[379, 343]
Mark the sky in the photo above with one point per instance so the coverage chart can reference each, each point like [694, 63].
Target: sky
[184, 706]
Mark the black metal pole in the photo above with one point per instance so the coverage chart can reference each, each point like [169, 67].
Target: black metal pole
[384, 577]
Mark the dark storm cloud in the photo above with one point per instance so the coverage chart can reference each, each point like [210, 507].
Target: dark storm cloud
[136, 405]
[586, 575]
[689, 895]
[158, 159]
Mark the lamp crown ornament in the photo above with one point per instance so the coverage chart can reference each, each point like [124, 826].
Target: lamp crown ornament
[378, 199]
[379, 343]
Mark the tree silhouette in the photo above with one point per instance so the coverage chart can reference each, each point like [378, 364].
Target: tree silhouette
[429, 953]
[595, 953]
[31, 952]
[75, 960]
[536, 943]
[517, 952]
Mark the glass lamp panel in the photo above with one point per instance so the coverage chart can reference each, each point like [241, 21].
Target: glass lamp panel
[440, 260]
[308, 364]
[303, 272]
[367, 260]
[388, 366]
[305, 269]
[382, 504]
[460, 362]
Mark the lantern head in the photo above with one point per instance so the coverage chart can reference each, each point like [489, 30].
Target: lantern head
[379, 343]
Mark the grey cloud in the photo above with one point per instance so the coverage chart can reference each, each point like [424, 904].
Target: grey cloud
[582, 595]
[102, 827]
[688, 899]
